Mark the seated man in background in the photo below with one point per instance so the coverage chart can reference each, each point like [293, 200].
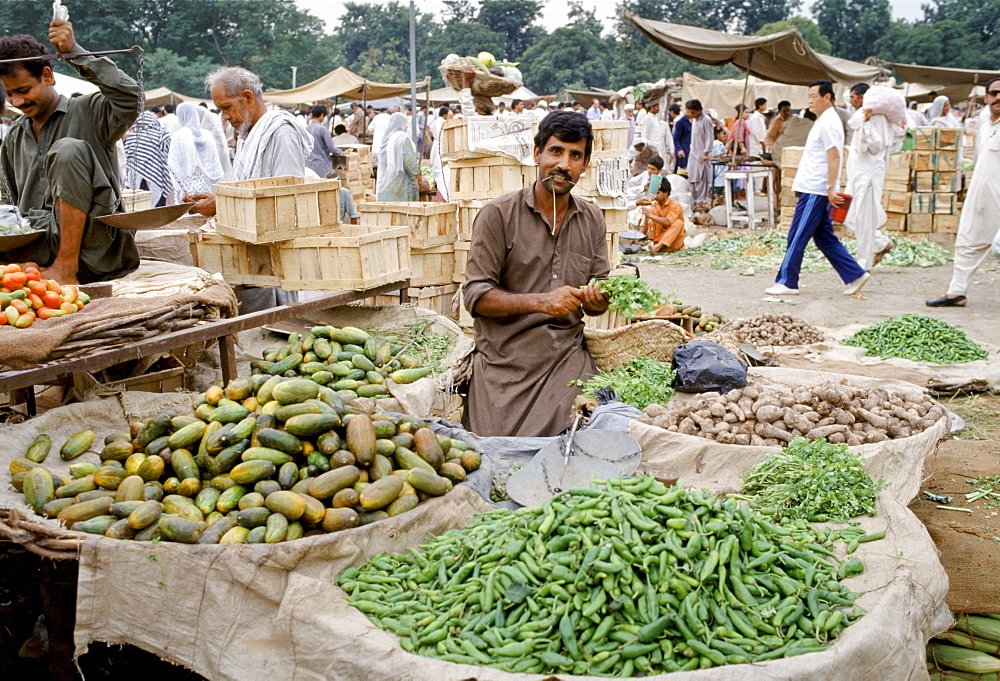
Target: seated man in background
[664, 224]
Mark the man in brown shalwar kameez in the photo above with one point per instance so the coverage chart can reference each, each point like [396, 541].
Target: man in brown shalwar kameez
[527, 285]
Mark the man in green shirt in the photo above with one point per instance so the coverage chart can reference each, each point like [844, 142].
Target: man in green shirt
[58, 160]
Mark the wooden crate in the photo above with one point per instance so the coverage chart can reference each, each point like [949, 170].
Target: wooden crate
[430, 224]
[610, 136]
[354, 261]
[897, 202]
[946, 161]
[363, 151]
[614, 253]
[488, 178]
[923, 181]
[945, 224]
[787, 213]
[239, 263]
[456, 145]
[946, 240]
[947, 182]
[461, 260]
[277, 208]
[467, 212]
[925, 138]
[166, 375]
[947, 138]
[436, 298]
[136, 199]
[899, 167]
[895, 221]
[791, 157]
[922, 203]
[944, 204]
[897, 185]
[432, 266]
[923, 160]
[919, 223]
[611, 319]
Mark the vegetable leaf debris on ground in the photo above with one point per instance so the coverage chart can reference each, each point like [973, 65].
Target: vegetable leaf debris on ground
[764, 250]
[639, 382]
[813, 479]
[919, 338]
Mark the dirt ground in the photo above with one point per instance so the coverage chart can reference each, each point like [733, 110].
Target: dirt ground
[891, 291]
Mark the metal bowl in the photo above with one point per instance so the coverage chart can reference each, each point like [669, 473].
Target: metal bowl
[15, 241]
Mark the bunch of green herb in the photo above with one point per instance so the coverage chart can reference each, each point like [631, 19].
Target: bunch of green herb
[428, 347]
[813, 479]
[639, 382]
[917, 337]
[630, 294]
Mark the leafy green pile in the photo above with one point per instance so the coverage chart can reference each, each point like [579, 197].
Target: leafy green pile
[813, 479]
[917, 337]
[765, 251]
[630, 294]
[428, 347]
[639, 382]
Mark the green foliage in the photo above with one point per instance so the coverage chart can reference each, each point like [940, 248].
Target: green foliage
[458, 38]
[630, 295]
[853, 26]
[571, 56]
[514, 20]
[962, 34]
[807, 27]
[639, 382]
[812, 478]
[180, 74]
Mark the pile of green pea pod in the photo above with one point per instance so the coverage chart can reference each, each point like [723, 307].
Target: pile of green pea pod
[636, 578]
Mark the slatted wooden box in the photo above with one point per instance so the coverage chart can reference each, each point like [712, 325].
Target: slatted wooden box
[239, 263]
[610, 136]
[790, 157]
[923, 181]
[488, 178]
[461, 260]
[614, 210]
[436, 298]
[467, 213]
[947, 182]
[897, 202]
[432, 266]
[923, 160]
[614, 253]
[922, 223]
[136, 199]
[899, 166]
[945, 224]
[455, 143]
[352, 261]
[944, 204]
[922, 203]
[430, 224]
[277, 208]
[925, 138]
[947, 138]
[946, 161]
[895, 221]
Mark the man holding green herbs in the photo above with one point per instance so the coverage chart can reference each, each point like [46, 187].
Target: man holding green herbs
[534, 253]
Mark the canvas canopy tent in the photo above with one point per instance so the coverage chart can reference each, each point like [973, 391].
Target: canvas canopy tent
[586, 97]
[342, 83]
[68, 85]
[724, 95]
[956, 93]
[936, 75]
[782, 57]
[163, 95]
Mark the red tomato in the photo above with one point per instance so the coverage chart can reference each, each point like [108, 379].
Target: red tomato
[35, 301]
[32, 273]
[47, 312]
[36, 287]
[69, 293]
[53, 285]
[52, 299]
[19, 305]
[11, 313]
[68, 308]
[12, 267]
[14, 280]
[25, 320]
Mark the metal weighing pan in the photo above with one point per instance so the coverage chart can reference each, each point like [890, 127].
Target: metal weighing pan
[15, 241]
[152, 218]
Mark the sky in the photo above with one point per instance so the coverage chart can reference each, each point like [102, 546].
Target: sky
[554, 11]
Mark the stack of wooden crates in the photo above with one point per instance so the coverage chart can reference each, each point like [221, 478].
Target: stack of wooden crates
[935, 183]
[286, 231]
[356, 175]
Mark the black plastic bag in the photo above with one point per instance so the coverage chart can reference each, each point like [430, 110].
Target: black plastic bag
[704, 366]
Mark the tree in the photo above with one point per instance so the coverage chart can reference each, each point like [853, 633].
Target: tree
[167, 69]
[458, 11]
[957, 34]
[807, 27]
[853, 26]
[512, 19]
[750, 15]
[462, 39]
[573, 56]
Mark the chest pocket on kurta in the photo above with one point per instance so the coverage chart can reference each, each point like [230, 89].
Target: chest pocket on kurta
[993, 143]
[578, 268]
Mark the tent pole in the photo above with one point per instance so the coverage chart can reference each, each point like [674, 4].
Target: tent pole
[413, 73]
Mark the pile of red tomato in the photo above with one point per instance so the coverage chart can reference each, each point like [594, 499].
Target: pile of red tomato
[25, 296]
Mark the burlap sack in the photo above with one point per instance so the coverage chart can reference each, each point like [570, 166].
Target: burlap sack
[209, 608]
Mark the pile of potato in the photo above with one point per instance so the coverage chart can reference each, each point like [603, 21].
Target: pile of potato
[774, 329]
[757, 415]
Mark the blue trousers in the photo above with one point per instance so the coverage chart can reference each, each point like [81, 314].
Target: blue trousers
[812, 221]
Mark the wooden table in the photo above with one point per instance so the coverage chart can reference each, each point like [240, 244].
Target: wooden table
[222, 329]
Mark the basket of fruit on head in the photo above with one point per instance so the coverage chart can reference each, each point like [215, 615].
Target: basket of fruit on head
[490, 78]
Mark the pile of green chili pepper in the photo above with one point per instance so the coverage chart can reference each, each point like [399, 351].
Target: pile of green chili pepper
[633, 579]
[917, 337]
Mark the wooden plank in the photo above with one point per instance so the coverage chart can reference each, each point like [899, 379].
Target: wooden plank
[277, 208]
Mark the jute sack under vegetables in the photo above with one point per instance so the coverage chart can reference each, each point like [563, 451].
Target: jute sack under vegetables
[210, 608]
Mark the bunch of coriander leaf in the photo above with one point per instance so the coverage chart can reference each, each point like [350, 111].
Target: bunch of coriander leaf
[630, 294]
[639, 382]
[813, 479]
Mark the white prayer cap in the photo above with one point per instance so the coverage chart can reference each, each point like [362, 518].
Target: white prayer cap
[630, 107]
[542, 103]
[637, 141]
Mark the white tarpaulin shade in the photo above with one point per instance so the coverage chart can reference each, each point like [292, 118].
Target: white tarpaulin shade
[783, 57]
[724, 95]
[927, 93]
[937, 75]
[68, 85]
[162, 95]
[343, 83]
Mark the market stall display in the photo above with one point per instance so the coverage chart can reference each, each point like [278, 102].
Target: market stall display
[774, 329]
[917, 337]
[970, 650]
[27, 297]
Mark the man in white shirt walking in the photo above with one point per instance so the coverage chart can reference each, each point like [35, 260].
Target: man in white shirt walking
[980, 219]
[816, 184]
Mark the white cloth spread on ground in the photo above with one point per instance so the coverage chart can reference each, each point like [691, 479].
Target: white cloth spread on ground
[980, 219]
[871, 145]
[276, 145]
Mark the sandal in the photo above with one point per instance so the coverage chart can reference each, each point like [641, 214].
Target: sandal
[947, 301]
[881, 254]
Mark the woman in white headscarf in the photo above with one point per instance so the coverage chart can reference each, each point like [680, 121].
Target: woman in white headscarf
[147, 145]
[941, 114]
[194, 161]
[213, 124]
[398, 166]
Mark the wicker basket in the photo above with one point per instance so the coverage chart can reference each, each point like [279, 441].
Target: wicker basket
[483, 84]
[656, 339]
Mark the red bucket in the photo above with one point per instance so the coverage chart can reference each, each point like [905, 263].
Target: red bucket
[839, 213]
